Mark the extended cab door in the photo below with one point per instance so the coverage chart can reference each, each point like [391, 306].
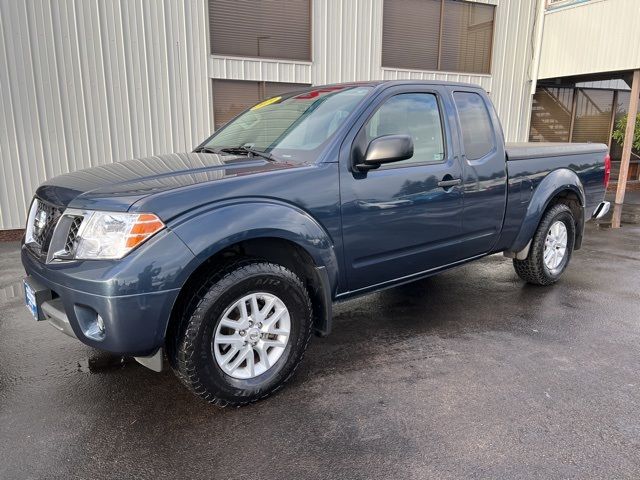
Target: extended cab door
[484, 170]
[402, 218]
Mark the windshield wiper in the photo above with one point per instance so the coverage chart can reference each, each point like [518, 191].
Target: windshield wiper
[206, 150]
[248, 151]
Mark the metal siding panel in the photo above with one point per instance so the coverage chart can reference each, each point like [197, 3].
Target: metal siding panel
[27, 133]
[86, 82]
[46, 97]
[512, 53]
[11, 193]
[341, 43]
[269, 70]
[608, 30]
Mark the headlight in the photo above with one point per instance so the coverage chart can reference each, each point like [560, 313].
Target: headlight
[111, 235]
[29, 237]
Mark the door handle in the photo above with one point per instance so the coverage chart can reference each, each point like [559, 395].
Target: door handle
[450, 182]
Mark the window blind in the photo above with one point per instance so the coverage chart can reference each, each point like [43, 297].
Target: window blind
[449, 35]
[593, 116]
[264, 28]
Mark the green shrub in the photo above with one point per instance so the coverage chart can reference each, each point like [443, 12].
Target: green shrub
[618, 132]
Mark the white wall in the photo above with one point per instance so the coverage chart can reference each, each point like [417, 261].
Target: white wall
[85, 82]
[88, 82]
[591, 37]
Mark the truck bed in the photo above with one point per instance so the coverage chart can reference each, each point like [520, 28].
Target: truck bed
[524, 150]
[530, 164]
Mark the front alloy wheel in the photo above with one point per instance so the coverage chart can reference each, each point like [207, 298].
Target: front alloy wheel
[252, 335]
[243, 334]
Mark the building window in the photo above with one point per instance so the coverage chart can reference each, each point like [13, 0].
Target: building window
[593, 116]
[265, 28]
[231, 97]
[448, 35]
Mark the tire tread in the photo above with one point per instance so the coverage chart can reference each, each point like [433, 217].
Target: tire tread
[183, 338]
[531, 269]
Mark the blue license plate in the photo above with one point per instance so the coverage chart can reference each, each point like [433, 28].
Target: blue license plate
[30, 300]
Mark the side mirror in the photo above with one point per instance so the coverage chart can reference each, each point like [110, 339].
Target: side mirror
[386, 149]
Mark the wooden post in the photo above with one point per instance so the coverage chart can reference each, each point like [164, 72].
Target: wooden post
[628, 143]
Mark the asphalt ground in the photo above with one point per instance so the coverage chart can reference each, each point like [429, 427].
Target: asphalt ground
[470, 374]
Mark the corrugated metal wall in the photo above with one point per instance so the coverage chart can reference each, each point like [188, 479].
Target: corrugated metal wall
[85, 82]
[511, 66]
[607, 29]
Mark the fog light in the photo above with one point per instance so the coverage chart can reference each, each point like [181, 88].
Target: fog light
[91, 324]
[100, 323]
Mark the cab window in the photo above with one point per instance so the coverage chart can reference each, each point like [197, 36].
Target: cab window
[475, 124]
[413, 114]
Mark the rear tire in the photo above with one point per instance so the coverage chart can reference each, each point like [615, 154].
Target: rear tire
[242, 336]
[551, 247]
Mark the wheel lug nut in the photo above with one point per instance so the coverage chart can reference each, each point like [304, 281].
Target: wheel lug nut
[242, 332]
[259, 325]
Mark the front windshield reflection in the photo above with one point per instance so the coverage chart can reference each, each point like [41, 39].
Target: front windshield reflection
[291, 127]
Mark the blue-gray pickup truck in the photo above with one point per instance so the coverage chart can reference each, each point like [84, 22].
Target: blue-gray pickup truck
[224, 261]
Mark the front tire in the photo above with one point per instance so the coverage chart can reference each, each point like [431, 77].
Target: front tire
[242, 336]
[551, 247]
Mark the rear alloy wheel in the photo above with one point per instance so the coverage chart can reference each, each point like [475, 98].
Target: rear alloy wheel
[551, 247]
[243, 334]
[555, 246]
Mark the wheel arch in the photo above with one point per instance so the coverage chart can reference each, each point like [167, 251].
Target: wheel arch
[560, 186]
[259, 230]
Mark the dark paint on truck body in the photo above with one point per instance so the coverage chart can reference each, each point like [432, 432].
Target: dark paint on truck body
[363, 231]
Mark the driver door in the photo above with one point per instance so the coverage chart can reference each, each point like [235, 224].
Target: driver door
[403, 218]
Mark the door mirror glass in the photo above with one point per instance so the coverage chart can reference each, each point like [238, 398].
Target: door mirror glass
[386, 149]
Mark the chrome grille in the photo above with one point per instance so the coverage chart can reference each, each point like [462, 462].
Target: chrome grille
[44, 222]
[72, 237]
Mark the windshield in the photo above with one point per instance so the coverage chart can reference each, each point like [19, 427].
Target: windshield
[290, 127]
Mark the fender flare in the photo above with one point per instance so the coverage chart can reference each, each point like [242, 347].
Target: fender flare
[554, 183]
[210, 229]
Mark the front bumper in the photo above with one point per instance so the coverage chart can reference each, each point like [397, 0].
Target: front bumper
[133, 296]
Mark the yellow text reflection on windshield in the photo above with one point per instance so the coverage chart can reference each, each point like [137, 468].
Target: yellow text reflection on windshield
[265, 103]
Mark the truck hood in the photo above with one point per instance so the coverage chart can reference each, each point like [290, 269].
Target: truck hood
[117, 186]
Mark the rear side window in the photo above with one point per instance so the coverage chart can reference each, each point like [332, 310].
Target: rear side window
[477, 130]
[413, 114]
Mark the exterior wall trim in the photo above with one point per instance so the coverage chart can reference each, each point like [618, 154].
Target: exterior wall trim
[258, 69]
